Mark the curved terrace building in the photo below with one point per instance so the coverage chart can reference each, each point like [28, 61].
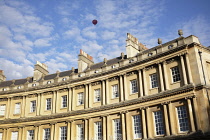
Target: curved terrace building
[157, 93]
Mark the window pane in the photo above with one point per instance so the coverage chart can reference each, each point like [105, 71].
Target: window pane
[134, 86]
[80, 132]
[115, 93]
[47, 134]
[175, 74]
[80, 98]
[63, 133]
[154, 80]
[183, 118]
[159, 126]
[64, 101]
[48, 104]
[33, 106]
[2, 109]
[14, 136]
[30, 134]
[97, 95]
[17, 108]
[137, 127]
[1, 136]
[117, 129]
[98, 131]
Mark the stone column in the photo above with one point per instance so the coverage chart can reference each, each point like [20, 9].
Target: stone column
[8, 108]
[144, 127]
[90, 96]
[123, 124]
[107, 92]
[90, 127]
[23, 107]
[86, 129]
[128, 127]
[195, 108]
[104, 125]
[171, 117]
[73, 102]
[52, 131]
[86, 96]
[5, 133]
[148, 123]
[20, 133]
[140, 83]
[166, 117]
[103, 93]
[72, 130]
[188, 69]
[183, 70]
[23, 133]
[38, 104]
[69, 130]
[54, 102]
[69, 99]
[161, 77]
[145, 82]
[190, 113]
[165, 76]
[36, 132]
[108, 127]
[121, 88]
[125, 87]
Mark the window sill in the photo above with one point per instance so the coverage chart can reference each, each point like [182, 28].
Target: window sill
[96, 102]
[175, 82]
[63, 108]
[153, 88]
[115, 98]
[80, 105]
[16, 114]
[133, 93]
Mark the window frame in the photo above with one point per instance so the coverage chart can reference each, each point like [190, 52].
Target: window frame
[14, 135]
[48, 103]
[63, 133]
[134, 86]
[137, 126]
[97, 93]
[32, 106]
[64, 101]
[187, 117]
[175, 75]
[80, 98]
[159, 124]
[98, 130]
[117, 129]
[80, 132]
[2, 109]
[17, 110]
[115, 91]
[153, 80]
[46, 135]
[30, 135]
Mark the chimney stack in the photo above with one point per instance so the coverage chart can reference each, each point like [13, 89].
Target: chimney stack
[2, 76]
[84, 60]
[40, 69]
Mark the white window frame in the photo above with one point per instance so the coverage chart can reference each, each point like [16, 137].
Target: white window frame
[14, 135]
[80, 98]
[46, 135]
[64, 101]
[183, 120]
[175, 74]
[33, 106]
[117, 129]
[97, 95]
[158, 122]
[154, 80]
[134, 87]
[98, 131]
[2, 109]
[30, 135]
[1, 134]
[17, 108]
[63, 133]
[115, 91]
[137, 126]
[80, 132]
[48, 103]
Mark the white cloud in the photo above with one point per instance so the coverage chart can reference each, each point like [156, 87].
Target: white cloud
[89, 33]
[107, 35]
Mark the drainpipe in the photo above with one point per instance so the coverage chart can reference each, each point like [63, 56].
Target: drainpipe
[200, 54]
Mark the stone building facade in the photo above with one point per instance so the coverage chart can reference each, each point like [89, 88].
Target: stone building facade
[157, 93]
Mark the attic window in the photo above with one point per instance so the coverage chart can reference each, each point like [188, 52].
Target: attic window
[170, 46]
[48, 82]
[4, 89]
[19, 87]
[33, 85]
[150, 54]
[64, 79]
[96, 71]
[113, 66]
[80, 75]
[131, 60]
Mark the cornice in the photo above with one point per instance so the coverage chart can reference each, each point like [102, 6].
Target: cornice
[143, 99]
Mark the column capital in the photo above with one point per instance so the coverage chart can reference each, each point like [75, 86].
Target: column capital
[69, 121]
[124, 112]
[142, 108]
[190, 97]
[165, 103]
[105, 115]
[37, 125]
[53, 123]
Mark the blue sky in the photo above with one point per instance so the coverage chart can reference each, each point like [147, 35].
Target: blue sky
[53, 31]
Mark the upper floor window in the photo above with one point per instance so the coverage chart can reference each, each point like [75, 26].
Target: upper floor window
[14, 135]
[17, 108]
[64, 79]
[47, 134]
[154, 80]
[30, 135]
[159, 125]
[115, 92]
[98, 131]
[137, 127]
[133, 86]
[113, 66]
[170, 46]
[175, 74]
[64, 101]
[117, 129]
[182, 118]
[48, 103]
[33, 85]
[63, 133]
[4, 89]
[19, 87]
[96, 71]
[131, 60]
[48, 82]
[33, 106]
[97, 95]
[2, 109]
[150, 54]
[80, 98]
[1, 136]
[80, 132]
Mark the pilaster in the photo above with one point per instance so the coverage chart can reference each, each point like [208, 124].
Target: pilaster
[121, 88]
[161, 77]
[103, 93]
[165, 110]
[145, 82]
[183, 70]
[165, 76]
[190, 113]
[69, 99]
[8, 108]
[188, 68]
[140, 83]
[144, 124]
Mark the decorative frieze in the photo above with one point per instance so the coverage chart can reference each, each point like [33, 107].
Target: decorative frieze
[3, 99]
[95, 83]
[170, 61]
[190, 97]
[165, 103]
[79, 87]
[113, 79]
[18, 97]
[32, 95]
[149, 68]
[48, 93]
[62, 90]
[131, 73]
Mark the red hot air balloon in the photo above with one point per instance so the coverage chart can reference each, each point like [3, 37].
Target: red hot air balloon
[94, 21]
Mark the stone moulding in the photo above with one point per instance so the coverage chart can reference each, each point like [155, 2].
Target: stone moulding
[161, 95]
